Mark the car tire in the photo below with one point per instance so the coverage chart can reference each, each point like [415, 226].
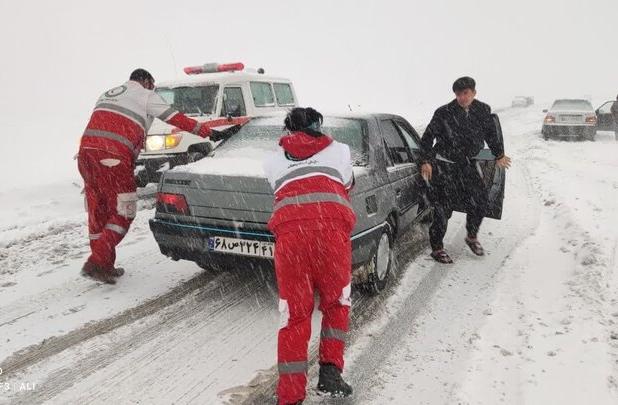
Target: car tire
[381, 263]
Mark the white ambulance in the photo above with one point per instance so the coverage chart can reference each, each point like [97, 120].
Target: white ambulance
[220, 94]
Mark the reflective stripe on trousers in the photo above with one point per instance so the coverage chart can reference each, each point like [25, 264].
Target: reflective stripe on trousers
[332, 333]
[295, 367]
[96, 133]
[116, 228]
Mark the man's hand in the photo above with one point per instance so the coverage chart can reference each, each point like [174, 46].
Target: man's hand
[504, 162]
[426, 171]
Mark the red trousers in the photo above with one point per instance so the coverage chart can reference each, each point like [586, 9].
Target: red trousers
[111, 201]
[306, 261]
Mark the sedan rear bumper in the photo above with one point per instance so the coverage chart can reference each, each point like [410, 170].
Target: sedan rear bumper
[569, 130]
[189, 241]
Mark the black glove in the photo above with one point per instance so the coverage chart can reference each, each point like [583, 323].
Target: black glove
[222, 135]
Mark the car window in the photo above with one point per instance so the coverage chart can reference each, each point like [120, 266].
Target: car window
[606, 108]
[395, 146]
[261, 136]
[284, 94]
[233, 102]
[570, 105]
[408, 137]
[191, 100]
[262, 94]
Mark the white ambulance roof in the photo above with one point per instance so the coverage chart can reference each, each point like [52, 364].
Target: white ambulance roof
[220, 78]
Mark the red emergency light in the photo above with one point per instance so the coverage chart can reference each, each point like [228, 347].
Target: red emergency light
[214, 68]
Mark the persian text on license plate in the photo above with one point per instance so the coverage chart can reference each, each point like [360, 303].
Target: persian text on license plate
[244, 247]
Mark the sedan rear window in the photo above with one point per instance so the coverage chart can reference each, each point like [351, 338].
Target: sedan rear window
[261, 136]
[570, 105]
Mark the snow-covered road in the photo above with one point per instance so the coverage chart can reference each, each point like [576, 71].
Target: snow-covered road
[535, 321]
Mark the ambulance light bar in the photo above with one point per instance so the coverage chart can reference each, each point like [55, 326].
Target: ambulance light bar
[214, 68]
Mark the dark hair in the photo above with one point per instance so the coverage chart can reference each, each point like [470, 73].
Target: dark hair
[301, 119]
[464, 83]
[141, 75]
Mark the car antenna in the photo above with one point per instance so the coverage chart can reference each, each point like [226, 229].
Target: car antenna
[169, 46]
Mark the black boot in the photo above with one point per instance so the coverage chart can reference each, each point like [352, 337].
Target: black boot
[331, 382]
[97, 273]
[117, 272]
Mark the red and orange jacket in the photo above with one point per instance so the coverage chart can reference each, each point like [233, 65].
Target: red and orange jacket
[311, 177]
[123, 115]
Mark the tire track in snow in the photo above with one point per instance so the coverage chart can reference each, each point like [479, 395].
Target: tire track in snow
[29, 356]
[199, 323]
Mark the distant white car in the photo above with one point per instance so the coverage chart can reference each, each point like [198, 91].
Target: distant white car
[218, 95]
[522, 101]
[570, 118]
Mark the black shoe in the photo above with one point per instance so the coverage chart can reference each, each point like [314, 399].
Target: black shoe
[441, 256]
[331, 383]
[475, 246]
[117, 272]
[98, 273]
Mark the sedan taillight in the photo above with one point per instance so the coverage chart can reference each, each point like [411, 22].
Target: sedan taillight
[172, 203]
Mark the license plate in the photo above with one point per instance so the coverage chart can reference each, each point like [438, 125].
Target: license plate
[243, 247]
[571, 118]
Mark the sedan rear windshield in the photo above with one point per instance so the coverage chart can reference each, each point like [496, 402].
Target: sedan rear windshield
[572, 105]
[191, 100]
[261, 136]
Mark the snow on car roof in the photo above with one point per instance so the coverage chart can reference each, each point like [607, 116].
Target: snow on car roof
[571, 104]
[220, 78]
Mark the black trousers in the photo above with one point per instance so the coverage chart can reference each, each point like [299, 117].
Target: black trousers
[456, 187]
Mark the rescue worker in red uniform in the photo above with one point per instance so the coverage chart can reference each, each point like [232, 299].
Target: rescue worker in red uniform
[312, 220]
[106, 160]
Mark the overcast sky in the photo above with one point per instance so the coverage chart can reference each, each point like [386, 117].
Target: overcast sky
[384, 56]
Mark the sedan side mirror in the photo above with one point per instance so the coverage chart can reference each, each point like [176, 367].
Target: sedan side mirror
[545, 110]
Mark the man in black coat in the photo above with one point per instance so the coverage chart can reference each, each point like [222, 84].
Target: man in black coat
[456, 134]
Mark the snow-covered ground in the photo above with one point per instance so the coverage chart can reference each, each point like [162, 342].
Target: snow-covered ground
[535, 321]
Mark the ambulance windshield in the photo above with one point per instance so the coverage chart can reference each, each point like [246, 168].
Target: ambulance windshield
[198, 100]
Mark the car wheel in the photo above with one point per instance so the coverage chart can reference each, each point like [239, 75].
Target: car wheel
[381, 262]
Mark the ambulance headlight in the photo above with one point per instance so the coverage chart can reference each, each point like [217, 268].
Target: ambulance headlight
[172, 140]
[155, 142]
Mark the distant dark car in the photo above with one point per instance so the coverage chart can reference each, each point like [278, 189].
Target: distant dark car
[215, 211]
[605, 119]
[570, 118]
